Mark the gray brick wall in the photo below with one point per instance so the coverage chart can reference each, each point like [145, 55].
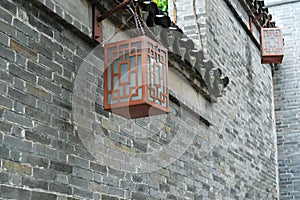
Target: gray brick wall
[287, 104]
[43, 157]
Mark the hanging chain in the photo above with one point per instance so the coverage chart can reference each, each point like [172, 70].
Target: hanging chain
[151, 32]
[141, 23]
[138, 18]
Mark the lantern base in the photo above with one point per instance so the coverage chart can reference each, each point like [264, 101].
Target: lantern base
[137, 111]
[271, 59]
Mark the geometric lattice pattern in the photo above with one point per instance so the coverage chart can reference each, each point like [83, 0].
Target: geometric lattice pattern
[157, 74]
[135, 78]
[271, 45]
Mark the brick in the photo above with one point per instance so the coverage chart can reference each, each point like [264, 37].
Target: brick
[63, 146]
[115, 191]
[81, 52]
[33, 183]
[116, 173]
[35, 160]
[57, 68]
[14, 193]
[50, 4]
[46, 129]
[19, 84]
[72, 198]
[15, 155]
[83, 193]
[34, 21]
[9, 6]
[5, 127]
[62, 103]
[60, 59]
[25, 28]
[3, 88]
[56, 47]
[83, 173]
[20, 60]
[98, 168]
[60, 188]
[79, 182]
[139, 196]
[67, 74]
[61, 167]
[83, 152]
[17, 143]
[62, 178]
[45, 150]
[17, 131]
[77, 161]
[43, 28]
[41, 195]
[3, 64]
[6, 78]
[59, 10]
[3, 39]
[137, 179]
[46, 30]
[44, 174]
[44, 17]
[63, 82]
[2, 110]
[110, 180]
[22, 73]
[48, 85]
[14, 167]
[21, 37]
[18, 119]
[6, 16]
[35, 137]
[4, 153]
[4, 177]
[107, 197]
[65, 41]
[68, 18]
[21, 97]
[62, 125]
[67, 54]
[40, 49]
[37, 114]
[5, 102]
[6, 53]
[19, 107]
[15, 179]
[39, 70]
[7, 28]
[38, 92]
[23, 50]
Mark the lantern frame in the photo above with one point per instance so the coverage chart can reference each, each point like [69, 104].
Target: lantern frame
[141, 106]
[271, 53]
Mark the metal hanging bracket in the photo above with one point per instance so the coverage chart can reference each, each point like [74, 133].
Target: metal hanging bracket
[98, 18]
[113, 10]
[97, 26]
[252, 20]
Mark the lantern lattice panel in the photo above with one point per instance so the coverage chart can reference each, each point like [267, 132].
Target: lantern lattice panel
[271, 45]
[135, 78]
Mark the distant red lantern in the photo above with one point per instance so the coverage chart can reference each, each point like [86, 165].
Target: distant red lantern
[271, 45]
[135, 78]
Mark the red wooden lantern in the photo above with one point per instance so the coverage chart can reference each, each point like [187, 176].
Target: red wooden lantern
[135, 78]
[271, 45]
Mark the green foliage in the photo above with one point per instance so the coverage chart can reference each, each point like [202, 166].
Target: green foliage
[162, 4]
